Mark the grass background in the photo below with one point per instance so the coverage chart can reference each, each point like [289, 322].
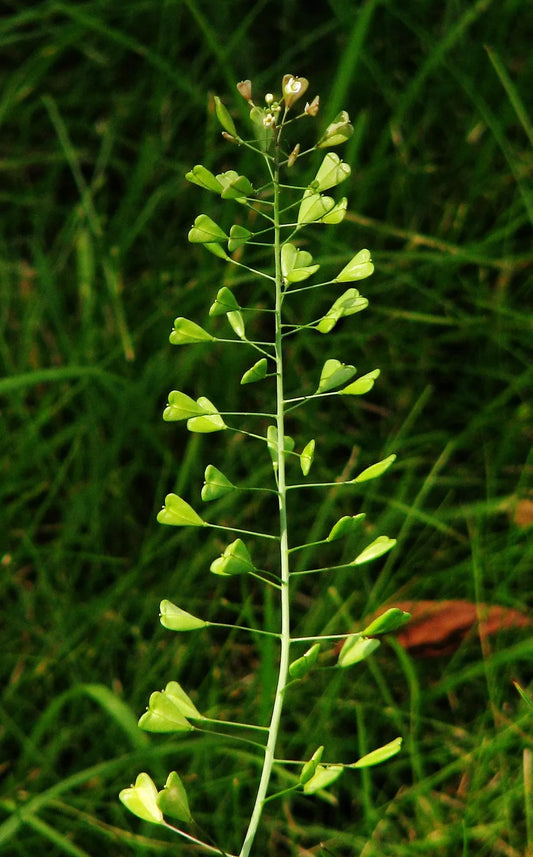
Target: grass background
[103, 108]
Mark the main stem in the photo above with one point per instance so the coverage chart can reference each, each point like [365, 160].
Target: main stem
[284, 540]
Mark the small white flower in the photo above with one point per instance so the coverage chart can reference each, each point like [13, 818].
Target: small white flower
[293, 88]
[293, 85]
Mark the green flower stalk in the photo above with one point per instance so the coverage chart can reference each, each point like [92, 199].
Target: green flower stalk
[283, 212]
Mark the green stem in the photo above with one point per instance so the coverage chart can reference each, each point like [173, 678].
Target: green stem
[323, 637]
[284, 541]
[212, 849]
[243, 628]
[230, 737]
[235, 723]
[265, 580]
[245, 532]
[321, 484]
[323, 568]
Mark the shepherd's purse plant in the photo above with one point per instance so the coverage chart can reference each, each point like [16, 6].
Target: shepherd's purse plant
[277, 214]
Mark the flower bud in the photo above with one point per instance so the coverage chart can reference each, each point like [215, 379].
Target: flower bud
[293, 155]
[229, 137]
[293, 88]
[337, 131]
[245, 89]
[312, 109]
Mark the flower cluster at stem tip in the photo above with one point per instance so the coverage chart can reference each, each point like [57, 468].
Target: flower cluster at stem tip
[293, 88]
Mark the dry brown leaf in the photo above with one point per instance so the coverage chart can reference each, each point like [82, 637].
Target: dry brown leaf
[523, 513]
[438, 627]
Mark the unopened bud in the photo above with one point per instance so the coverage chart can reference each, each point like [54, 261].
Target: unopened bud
[293, 88]
[229, 137]
[293, 155]
[312, 109]
[245, 89]
[269, 98]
